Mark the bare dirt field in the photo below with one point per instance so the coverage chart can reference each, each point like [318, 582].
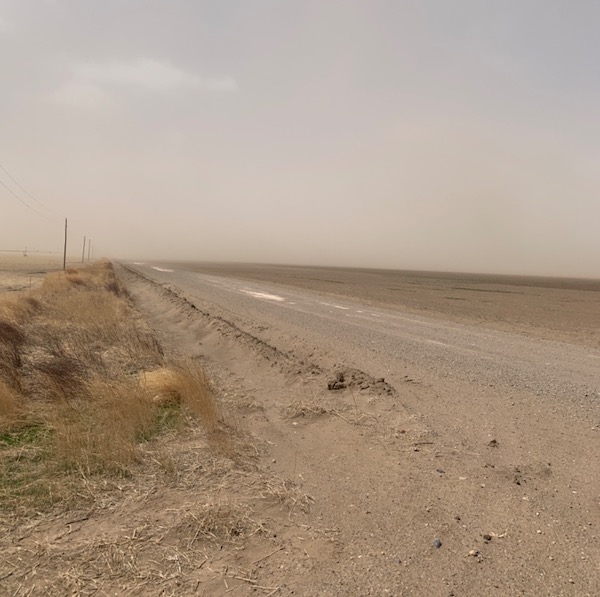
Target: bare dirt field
[19, 271]
[387, 438]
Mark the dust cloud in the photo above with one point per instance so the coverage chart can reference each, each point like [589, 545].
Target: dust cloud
[402, 135]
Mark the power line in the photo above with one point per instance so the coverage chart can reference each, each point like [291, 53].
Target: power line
[32, 197]
[25, 202]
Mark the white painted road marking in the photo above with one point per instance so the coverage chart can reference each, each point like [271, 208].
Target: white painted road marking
[264, 295]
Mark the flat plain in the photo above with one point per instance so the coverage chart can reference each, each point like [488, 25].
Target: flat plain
[410, 433]
[19, 271]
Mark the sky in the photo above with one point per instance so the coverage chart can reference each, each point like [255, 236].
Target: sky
[409, 134]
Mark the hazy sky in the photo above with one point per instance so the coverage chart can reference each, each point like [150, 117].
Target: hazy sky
[423, 134]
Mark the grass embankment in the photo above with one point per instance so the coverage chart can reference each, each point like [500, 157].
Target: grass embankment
[84, 387]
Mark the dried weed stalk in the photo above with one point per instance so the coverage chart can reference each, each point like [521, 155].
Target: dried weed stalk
[218, 521]
[288, 493]
[301, 408]
[183, 384]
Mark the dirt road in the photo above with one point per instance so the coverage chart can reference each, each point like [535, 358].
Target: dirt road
[455, 454]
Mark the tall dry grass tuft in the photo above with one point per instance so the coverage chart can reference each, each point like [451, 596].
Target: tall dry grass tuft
[102, 434]
[183, 384]
[17, 310]
[12, 408]
[12, 339]
[63, 377]
[96, 276]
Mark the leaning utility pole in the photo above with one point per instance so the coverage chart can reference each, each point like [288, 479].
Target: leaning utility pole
[65, 253]
[89, 249]
[83, 252]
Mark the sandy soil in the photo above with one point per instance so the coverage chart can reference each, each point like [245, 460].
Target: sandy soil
[412, 485]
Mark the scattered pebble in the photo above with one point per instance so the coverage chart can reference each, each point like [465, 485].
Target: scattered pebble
[487, 537]
[474, 553]
[437, 543]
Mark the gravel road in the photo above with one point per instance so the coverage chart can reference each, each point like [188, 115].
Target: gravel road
[377, 338]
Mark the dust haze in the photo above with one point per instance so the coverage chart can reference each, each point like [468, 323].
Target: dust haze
[409, 135]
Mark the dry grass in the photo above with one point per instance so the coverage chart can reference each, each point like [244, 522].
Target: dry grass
[303, 408]
[83, 385]
[11, 406]
[183, 384]
[103, 434]
[287, 493]
[220, 521]
[18, 310]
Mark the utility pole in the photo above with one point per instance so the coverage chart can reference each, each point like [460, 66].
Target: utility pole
[65, 252]
[89, 249]
[83, 252]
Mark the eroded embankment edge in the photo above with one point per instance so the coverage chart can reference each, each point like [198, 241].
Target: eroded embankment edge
[338, 379]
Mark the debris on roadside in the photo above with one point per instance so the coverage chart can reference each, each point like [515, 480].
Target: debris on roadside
[353, 378]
